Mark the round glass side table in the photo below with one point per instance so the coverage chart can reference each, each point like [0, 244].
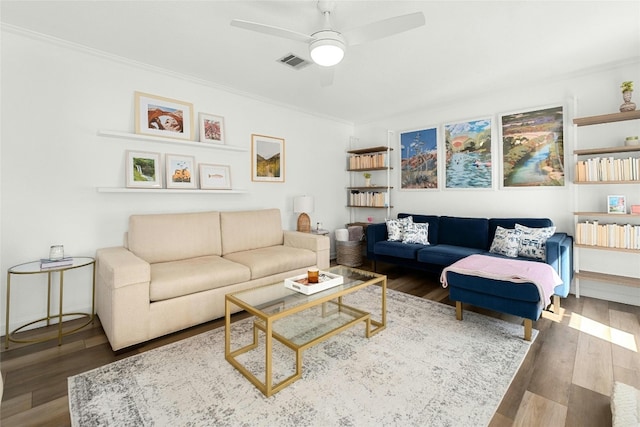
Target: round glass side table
[33, 267]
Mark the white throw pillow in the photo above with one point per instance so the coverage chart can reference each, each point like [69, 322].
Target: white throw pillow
[417, 232]
[533, 241]
[506, 242]
[397, 227]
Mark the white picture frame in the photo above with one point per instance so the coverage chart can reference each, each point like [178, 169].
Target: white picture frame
[143, 169]
[616, 204]
[180, 171]
[211, 128]
[215, 177]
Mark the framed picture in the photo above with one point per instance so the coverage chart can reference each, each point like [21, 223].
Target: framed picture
[419, 159]
[180, 171]
[165, 117]
[468, 154]
[215, 177]
[616, 205]
[533, 148]
[211, 128]
[267, 158]
[143, 170]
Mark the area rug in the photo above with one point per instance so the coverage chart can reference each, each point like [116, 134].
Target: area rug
[425, 369]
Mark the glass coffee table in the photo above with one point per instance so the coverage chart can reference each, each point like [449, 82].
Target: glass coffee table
[298, 321]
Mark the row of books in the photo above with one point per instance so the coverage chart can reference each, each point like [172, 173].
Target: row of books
[367, 161]
[608, 169]
[369, 198]
[55, 263]
[623, 236]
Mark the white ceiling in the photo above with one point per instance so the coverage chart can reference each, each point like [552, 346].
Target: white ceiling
[466, 48]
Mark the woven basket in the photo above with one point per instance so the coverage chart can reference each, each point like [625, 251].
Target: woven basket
[349, 253]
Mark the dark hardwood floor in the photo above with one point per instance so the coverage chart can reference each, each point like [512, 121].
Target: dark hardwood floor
[565, 380]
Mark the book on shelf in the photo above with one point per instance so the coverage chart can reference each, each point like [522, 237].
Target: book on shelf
[608, 169]
[54, 263]
[622, 236]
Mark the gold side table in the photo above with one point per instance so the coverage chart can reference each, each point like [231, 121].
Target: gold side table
[33, 267]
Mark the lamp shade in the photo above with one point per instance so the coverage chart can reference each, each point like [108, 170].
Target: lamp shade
[303, 204]
[328, 48]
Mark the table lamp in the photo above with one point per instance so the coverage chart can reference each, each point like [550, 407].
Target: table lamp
[302, 205]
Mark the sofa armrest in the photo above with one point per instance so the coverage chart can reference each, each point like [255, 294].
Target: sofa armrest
[559, 255]
[122, 296]
[119, 267]
[375, 233]
[313, 242]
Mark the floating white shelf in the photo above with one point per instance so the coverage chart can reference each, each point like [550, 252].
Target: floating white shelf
[166, 191]
[135, 136]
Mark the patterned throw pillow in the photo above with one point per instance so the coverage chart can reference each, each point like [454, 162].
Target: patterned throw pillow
[417, 232]
[397, 227]
[533, 241]
[506, 242]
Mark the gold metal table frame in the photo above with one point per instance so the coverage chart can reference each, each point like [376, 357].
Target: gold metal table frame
[33, 267]
[286, 304]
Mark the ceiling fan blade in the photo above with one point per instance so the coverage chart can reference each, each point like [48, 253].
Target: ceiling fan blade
[272, 31]
[384, 28]
[326, 76]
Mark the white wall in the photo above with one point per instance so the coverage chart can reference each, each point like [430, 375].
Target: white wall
[593, 91]
[56, 97]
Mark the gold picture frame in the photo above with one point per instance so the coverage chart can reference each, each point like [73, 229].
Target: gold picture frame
[267, 158]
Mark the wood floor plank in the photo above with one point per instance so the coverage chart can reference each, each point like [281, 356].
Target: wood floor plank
[538, 411]
[35, 375]
[625, 337]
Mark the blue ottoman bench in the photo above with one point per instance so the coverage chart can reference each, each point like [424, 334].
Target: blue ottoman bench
[516, 287]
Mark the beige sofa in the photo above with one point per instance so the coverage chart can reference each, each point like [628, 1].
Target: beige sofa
[175, 269]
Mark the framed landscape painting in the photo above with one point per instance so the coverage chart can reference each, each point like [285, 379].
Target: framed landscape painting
[215, 177]
[533, 148]
[164, 117]
[468, 154]
[143, 170]
[211, 128]
[419, 159]
[267, 158]
[180, 171]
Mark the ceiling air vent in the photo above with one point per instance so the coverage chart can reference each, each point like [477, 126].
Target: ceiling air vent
[294, 61]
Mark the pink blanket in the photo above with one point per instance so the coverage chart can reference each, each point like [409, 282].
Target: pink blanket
[511, 270]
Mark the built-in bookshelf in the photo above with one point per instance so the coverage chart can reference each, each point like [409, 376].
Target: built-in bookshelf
[599, 230]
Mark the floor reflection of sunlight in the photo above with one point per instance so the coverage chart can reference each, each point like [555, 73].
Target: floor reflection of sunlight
[599, 330]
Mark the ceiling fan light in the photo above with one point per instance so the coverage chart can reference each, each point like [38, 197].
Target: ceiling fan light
[327, 52]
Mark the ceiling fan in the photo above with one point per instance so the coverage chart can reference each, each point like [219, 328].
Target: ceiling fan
[327, 45]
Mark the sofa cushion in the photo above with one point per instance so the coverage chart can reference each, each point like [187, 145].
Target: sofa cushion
[445, 254]
[417, 233]
[247, 230]
[464, 232]
[397, 227]
[432, 220]
[533, 241]
[397, 249]
[506, 242]
[178, 278]
[171, 237]
[273, 260]
[510, 223]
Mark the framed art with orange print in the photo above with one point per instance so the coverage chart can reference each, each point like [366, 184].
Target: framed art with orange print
[164, 117]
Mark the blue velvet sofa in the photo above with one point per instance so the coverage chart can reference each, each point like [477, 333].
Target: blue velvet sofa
[453, 238]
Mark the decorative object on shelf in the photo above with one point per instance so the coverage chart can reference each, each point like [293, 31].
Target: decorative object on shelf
[211, 128]
[143, 170]
[215, 177]
[627, 91]
[468, 154]
[635, 209]
[369, 219]
[165, 117]
[616, 205]
[419, 159]
[56, 252]
[631, 141]
[267, 158]
[303, 205]
[180, 171]
[367, 179]
[533, 155]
